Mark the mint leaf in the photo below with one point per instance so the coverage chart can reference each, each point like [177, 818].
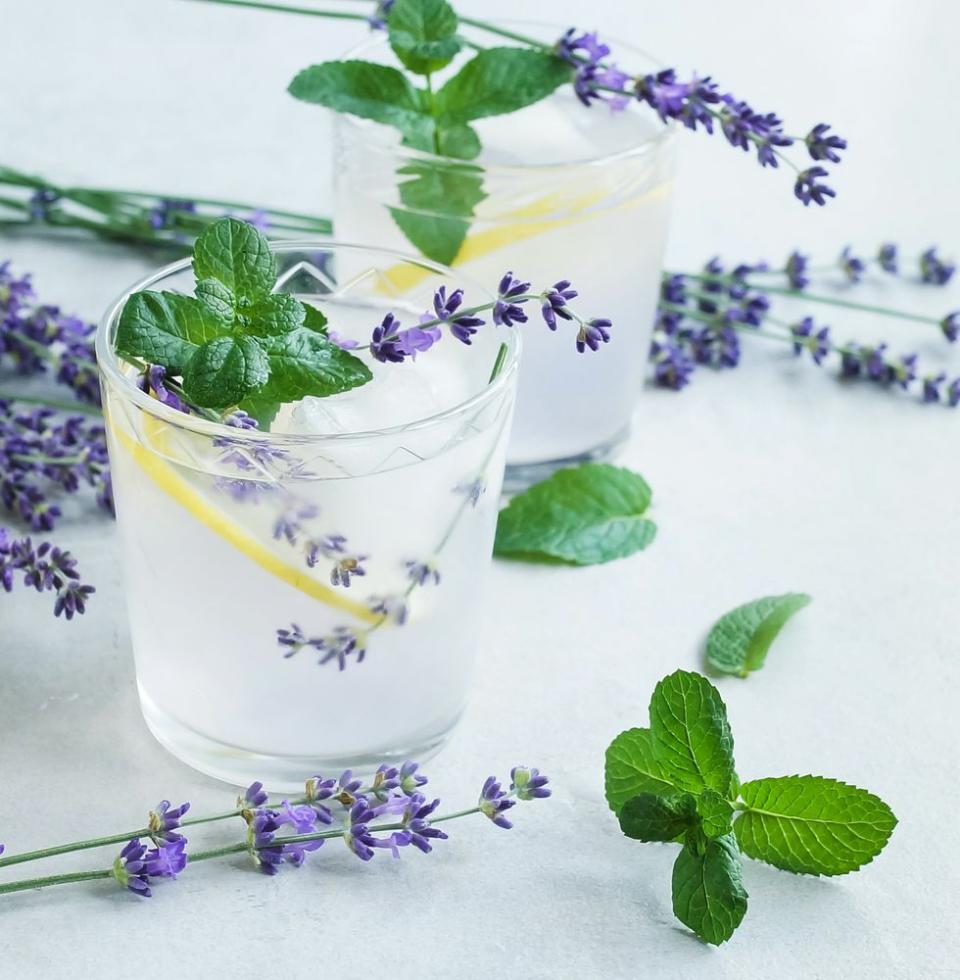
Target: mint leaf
[261, 409]
[708, 892]
[313, 319]
[715, 814]
[224, 371]
[812, 825]
[437, 204]
[739, 641]
[631, 769]
[460, 141]
[304, 362]
[166, 328]
[216, 297]
[650, 817]
[237, 255]
[690, 734]
[422, 34]
[498, 81]
[585, 515]
[276, 313]
[376, 92]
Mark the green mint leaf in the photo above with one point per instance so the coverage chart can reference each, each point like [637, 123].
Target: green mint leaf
[304, 362]
[422, 34]
[631, 769]
[715, 813]
[585, 515]
[690, 734]
[313, 319]
[376, 92]
[224, 371]
[498, 81]
[438, 201]
[708, 892]
[274, 314]
[459, 141]
[739, 641]
[237, 255]
[812, 825]
[166, 328]
[650, 817]
[217, 298]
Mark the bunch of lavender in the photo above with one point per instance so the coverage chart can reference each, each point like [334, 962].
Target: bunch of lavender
[44, 568]
[390, 813]
[702, 317]
[141, 218]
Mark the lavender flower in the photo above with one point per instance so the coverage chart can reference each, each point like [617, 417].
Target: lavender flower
[507, 311]
[289, 523]
[334, 548]
[378, 19]
[417, 823]
[672, 367]
[673, 289]
[953, 393]
[343, 642]
[136, 865]
[154, 380]
[851, 360]
[164, 214]
[528, 784]
[796, 269]
[464, 325]
[931, 386]
[409, 780]
[360, 837]
[904, 371]
[807, 337]
[253, 796]
[44, 568]
[823, 147]
[344, 569]
[269, 851]
[494, 802]
[554, 303]
[887, 257]
[934, 270]
[593, 333]
[41, 200]
[808, 187]
[950, 325]
[422, 572]
[385, 345]
[852, 266]
[164, 820]
[393, 608]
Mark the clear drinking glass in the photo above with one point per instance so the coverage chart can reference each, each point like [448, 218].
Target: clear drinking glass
[363, 522]
[558, 191]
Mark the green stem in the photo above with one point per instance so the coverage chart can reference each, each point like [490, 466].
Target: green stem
[498, 363]
[67, 879]
[82, 845]
[288, 9]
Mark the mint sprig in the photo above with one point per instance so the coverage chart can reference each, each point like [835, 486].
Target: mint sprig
[584, 515]
[739, 641]
[438, 204]
[236, 342]
[676, 782]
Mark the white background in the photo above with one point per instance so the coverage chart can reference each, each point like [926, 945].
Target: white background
[771, 478]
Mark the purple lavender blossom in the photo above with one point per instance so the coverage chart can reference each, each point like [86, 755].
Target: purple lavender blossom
[422, 572]
[673, 289]
[239, 419]
[300, 816]
[409, 779]
[41, 200]
[136, 865]
[392, 608]
[289, 523]
[796, 269]
[164, 820]
[807, 337]
[852, 266]
[270, 851]
[494, 802]
[343, 642]
[44, 568]
[672, 366]
[851, 360]
[416, 340]
[593, 333]
[887, 257]
[378, 19]
[528, 784]
[345, 564]
[950, 325]
[154, 380]
[953, 393]
[344, 570]
[344, 343]
[253, 796]
[934, 270]
[464, 325]
[164, 213]
[931, 386]
[875, 363]
[808, 187]
[507, 311]
[904, 371]
[384, 344]
[822, 146]
[417, 823]
[554, 303]
[360, 837]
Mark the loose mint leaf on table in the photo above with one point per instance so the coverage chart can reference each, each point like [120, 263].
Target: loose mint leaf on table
[238, 256]
[676, 782]
[225, 370]
[166, 328]
[650, 817]
[812, 825]
[361, 88]
[631, 769]
[498, 81]
[708, 892]
[438, 201]
[304, 362]
[423, 34]
[585, 515]
[739, 641]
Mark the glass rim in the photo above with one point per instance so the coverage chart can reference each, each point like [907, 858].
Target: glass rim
[109, 363]
[660, 139]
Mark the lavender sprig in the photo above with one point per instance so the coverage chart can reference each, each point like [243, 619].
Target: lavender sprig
[45, 568]
[391, 814]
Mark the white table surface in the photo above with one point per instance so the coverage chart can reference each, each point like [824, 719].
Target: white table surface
[768, 479]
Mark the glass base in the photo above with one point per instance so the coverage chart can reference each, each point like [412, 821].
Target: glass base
[520, 476]
[279, 774]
